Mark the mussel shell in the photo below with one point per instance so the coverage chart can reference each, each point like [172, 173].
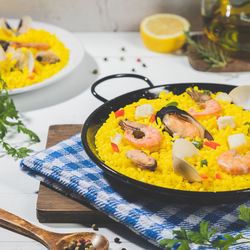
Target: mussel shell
[184, 115]
[6, 27]
[24, 25]
[183, 148]
[4, 44]
[241, 96]
[3, 56]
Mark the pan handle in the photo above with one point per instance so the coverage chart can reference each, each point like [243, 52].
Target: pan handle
[144, 78]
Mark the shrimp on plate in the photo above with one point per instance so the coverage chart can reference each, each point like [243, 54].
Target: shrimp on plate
[232, 162]
[140, 135]
[205, 101]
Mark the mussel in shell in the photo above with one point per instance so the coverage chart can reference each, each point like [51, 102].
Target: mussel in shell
[47, 57]
[178, 122]
[141, 159]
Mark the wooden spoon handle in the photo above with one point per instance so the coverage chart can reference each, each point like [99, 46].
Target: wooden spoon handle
[19, 225]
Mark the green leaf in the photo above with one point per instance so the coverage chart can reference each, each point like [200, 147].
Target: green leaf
[172, 104]
[181, 234]
[203, 162]
[197, 144]
[207, 92]
[204, 229]
[168, 243]
[184, 245]
[32, 135]
[196, 237]
[228, 241]
[9, 117]
[203, 237]
[244, 214]
[211, 232]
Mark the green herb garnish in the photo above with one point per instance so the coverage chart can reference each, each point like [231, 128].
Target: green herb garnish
[205, 236]
[203, 162]
[247, 123]
[172, 104]
[207, 92]
[9, 117]
[211, 54]
[197, 144]
[245, 214]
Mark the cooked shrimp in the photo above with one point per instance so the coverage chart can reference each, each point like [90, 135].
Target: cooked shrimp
[205, 101]
[232, 162]
[39, 46]
[140, 135]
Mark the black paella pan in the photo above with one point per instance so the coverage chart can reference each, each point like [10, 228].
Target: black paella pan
[100, 115]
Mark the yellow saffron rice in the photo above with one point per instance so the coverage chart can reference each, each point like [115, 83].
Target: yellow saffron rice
[215, 178]
[18, 79]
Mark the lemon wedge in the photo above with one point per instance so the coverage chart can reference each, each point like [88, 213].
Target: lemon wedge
[164, 32]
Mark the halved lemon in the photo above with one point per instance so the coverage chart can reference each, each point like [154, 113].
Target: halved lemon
[164, 32]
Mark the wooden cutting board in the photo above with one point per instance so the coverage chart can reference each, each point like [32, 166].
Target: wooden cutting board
[54, 207]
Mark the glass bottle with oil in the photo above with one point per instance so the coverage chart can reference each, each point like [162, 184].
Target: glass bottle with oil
[227, 23]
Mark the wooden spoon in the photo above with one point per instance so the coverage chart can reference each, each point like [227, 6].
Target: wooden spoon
[53, 241]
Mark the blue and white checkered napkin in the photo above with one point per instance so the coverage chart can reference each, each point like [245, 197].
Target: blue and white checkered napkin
[66, 167]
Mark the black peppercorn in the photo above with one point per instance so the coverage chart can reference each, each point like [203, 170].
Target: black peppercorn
[117, 240]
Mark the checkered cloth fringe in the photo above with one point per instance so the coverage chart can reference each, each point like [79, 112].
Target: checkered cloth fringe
[67, 168]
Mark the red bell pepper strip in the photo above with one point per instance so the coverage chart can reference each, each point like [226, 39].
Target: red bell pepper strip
[218, 176]
[31, 77]
[203, 176]
[211, 144]
[152, 118]
[115, 147]
[119, 113]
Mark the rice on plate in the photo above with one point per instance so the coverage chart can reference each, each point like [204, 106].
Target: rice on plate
[28, 55]
[196, 141]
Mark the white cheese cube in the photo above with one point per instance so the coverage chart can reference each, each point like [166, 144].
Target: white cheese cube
[237, 140]
[117, 138]
[144, 110]
[224, 97]
[225, 121]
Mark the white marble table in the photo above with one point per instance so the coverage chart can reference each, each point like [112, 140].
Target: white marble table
[70, 102]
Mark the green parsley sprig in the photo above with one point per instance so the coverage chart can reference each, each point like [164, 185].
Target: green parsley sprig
[9, 117]
[210, 54]
[205, 236]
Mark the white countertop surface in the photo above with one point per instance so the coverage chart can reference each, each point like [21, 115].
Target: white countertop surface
[71, 102]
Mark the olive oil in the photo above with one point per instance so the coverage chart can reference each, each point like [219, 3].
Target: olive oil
[227, 23]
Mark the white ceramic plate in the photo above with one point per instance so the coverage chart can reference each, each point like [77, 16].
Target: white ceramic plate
[70, 42]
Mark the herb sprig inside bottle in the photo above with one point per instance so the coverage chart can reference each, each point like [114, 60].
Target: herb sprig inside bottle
[209, 53]
[9, 118]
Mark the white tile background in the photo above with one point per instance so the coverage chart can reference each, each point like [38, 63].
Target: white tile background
[99, 15]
